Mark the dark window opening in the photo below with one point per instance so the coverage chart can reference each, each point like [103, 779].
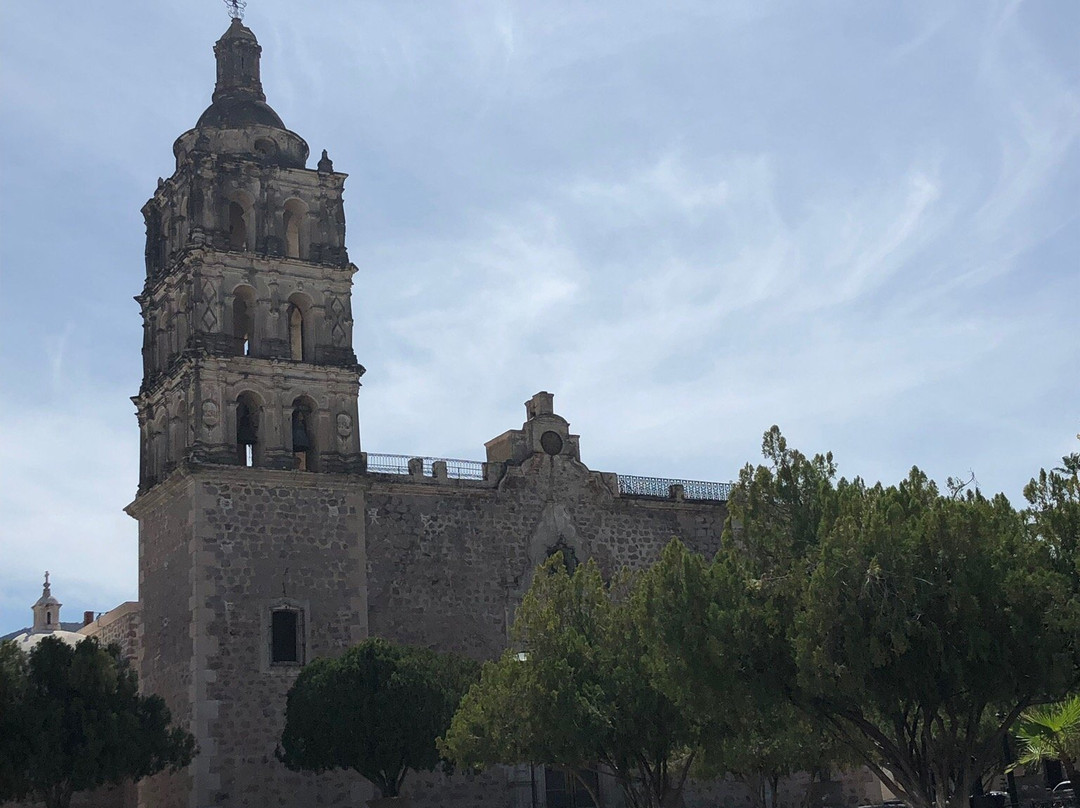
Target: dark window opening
[569, 555]
[285, 636]
[48, 618]
[247, 431]
[237, 227]
[303, 446]
[243, 325]
[296, 333]
[566, 791]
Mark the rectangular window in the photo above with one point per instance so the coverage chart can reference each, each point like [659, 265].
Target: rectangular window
[285, 644]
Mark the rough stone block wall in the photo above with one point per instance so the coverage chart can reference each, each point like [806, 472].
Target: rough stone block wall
[121, 627]
[165, 519]
[265, 539]
[449, 560]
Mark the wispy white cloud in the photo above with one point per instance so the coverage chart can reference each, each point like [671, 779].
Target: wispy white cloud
[688, 220]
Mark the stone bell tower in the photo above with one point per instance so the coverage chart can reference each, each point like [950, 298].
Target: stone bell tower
[251, 552]
[247, 323]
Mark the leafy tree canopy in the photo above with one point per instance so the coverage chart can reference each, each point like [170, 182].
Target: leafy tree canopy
[918, 625]
[72, 719]
[1055, 513]
[710, 653]
[582, 692]
[377, 709]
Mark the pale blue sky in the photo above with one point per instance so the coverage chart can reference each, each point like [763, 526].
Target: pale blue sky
[688, 220]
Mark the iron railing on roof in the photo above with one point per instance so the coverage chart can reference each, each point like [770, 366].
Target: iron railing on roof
[399, 464]
[628, 483]
[661, 487]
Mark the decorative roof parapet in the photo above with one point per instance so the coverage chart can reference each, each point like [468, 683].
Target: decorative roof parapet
[629, 484]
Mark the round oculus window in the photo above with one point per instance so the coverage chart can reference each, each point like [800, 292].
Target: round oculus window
[551, 442]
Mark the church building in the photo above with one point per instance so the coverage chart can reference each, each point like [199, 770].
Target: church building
[268, 536]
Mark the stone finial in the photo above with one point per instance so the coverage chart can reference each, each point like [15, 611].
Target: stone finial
[543, 403]
[238, 55]
[326, 165]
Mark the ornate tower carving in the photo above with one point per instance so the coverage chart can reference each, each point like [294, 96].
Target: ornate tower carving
[247, 347]
[251, 538]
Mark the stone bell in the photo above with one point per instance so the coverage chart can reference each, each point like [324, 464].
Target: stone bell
[300, 440]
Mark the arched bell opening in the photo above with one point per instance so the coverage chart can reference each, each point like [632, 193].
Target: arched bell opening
[240, 222]
[294, 221]
[237, 227]
[248, 442]
[243, 320]
[303, 433]
[301, 346]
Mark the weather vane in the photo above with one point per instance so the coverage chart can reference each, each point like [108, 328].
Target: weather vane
[236, 8]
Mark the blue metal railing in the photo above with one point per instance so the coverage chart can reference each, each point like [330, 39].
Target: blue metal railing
[399, 464]
[661, 487]
[629, 484]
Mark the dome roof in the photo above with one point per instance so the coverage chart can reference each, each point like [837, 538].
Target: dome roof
[47, 599]
[237, 30]
[238, 120]
[26, 641]
[238, 111]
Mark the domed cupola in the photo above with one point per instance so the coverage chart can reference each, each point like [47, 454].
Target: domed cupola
[239, 121]
[46, 610]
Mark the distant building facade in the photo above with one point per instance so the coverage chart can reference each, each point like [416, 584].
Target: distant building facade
[46, 613]
[267, 536]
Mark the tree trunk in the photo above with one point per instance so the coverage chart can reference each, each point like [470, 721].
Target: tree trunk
[1069, 765]
[671, 799]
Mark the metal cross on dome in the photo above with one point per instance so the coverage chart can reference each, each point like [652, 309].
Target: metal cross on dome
[236, 8]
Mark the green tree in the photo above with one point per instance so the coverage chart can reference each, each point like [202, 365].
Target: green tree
[917, 625]
[1051, 732]
[12, 690]
[377, 709]
[772, 743]
[576, 691]
[715, 618]
[72, 719]
[1054, 514]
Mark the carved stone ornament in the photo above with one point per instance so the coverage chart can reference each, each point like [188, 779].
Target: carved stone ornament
[344, 425]
[211, 414]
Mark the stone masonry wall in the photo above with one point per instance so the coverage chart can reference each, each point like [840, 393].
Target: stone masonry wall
[165, 579]
[266, 539]
[121, 627]
[448, 561]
